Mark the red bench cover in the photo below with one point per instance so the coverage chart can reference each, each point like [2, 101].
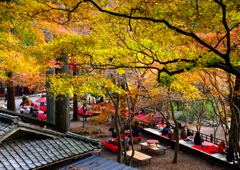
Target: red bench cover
[42, 117]
[137, 138]
[111, 147]
[42, 108]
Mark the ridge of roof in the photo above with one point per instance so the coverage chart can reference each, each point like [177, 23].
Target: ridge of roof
[10, 124]
[10, 117]
[7, 124]
[83, 138]
[27, 118]
[42, 129]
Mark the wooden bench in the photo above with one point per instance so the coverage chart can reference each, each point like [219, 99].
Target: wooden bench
[139, 157]
[153, 147]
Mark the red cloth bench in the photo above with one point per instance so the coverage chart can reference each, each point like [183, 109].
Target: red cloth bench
[42, 108]
[42, 117]
[112, 147]
[137, 138]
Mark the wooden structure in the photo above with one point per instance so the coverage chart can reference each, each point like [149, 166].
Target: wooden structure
[141, 158]
[154, 148]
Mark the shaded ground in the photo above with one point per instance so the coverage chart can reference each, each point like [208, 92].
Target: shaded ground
[159, 161]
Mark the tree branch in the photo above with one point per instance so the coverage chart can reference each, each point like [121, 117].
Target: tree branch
[190, 34]
[227, 59]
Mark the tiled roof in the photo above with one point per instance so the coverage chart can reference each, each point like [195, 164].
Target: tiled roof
[94, 162]
[37, 150]
[12, 124]
[7, 124]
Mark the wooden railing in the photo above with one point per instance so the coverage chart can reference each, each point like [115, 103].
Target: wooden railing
[208, 138]
[205, 137]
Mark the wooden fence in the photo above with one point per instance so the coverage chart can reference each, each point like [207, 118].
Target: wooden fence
[208, 138]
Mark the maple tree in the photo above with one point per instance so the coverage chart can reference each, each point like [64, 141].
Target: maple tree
[170, 37]
[120, 101]
[197, 41]
[19, 38]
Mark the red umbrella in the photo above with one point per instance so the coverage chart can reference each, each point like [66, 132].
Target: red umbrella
[42, 100]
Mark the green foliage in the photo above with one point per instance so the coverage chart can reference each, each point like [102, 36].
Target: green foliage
[182, 117]
[207, 107]
[165, 80]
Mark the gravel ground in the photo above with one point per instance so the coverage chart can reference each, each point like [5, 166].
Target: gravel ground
[159, 161]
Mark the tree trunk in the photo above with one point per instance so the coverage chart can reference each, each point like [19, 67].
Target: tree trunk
[10, 93]
[50, 98]
[124, 145]
[118, 131]
[175, 159]
[62, 101]
[75, 99]
[130, 117]
[178, 105]
[83, 120]
[75, 108]
[118, 123]
[235, 116]
[83, 110]
[177, 135]
[119, 143]
[234, 129]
